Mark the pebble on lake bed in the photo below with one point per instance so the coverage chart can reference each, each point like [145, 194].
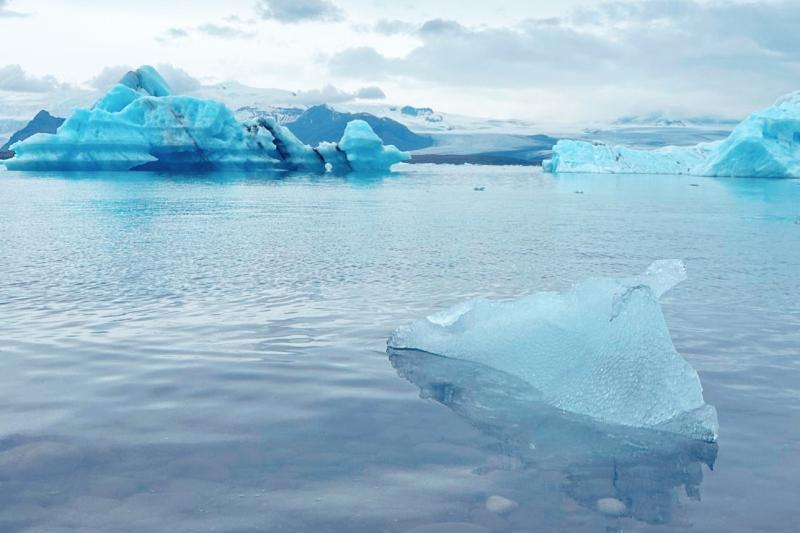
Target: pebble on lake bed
[611, 506]
[500, 505]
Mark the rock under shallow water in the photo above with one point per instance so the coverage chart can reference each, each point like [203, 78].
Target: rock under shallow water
[611, 506]
[500, 505]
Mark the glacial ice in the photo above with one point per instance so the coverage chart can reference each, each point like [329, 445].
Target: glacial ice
[365, 150]
[601, 350]
[139, 125]
[765, 145]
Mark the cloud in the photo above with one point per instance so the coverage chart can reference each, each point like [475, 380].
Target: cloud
[648, 46]
[178, 79]
[294, 11]
[371, 93]
[333, 95]
[13, 78]
[219, 31]
[394, 27]
[489, 57]
[225, 31]
[174, 33]
[5, 12]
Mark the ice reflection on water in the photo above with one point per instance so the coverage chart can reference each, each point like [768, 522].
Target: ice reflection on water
[641, 468]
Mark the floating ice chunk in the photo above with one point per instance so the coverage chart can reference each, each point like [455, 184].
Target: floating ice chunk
[601, 349]
[365, 150]
[766, 144]
[139, 125]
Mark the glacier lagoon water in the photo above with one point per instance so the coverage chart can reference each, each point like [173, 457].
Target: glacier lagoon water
[208, 353]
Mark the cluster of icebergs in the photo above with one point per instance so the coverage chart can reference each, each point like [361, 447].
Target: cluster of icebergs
[140, 125]
[601, 350]
[765, 145]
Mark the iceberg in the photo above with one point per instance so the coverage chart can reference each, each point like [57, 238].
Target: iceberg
[601, 350]
[365, 150]
[764, 145]
[140, 125]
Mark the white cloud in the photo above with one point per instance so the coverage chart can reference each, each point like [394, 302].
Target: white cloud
[293, 11]
[174, 33]
[394, 27]
[662, 49]
[536, 59]
[224, 31]
[333, 95]
[217, 31]
[371, 93]
[13, 78]
[5, 12]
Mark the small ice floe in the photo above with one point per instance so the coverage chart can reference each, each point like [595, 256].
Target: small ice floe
[601, 350]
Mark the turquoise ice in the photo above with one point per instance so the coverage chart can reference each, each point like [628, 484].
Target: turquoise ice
[601, 349]
[140, 125]
[765, 145]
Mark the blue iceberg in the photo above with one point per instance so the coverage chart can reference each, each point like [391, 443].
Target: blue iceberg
[601, 350]
[765, 145]
[140, 125]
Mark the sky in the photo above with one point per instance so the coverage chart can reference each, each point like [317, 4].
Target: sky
[548, 60]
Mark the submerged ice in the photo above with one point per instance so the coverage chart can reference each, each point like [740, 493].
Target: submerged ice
[140, 125]
[600, 350]
[643, 468]
[766, 144]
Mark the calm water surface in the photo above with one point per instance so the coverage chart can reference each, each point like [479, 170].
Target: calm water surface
[208, 353]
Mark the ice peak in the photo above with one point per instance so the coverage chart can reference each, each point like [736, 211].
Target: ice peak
[146, 79]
